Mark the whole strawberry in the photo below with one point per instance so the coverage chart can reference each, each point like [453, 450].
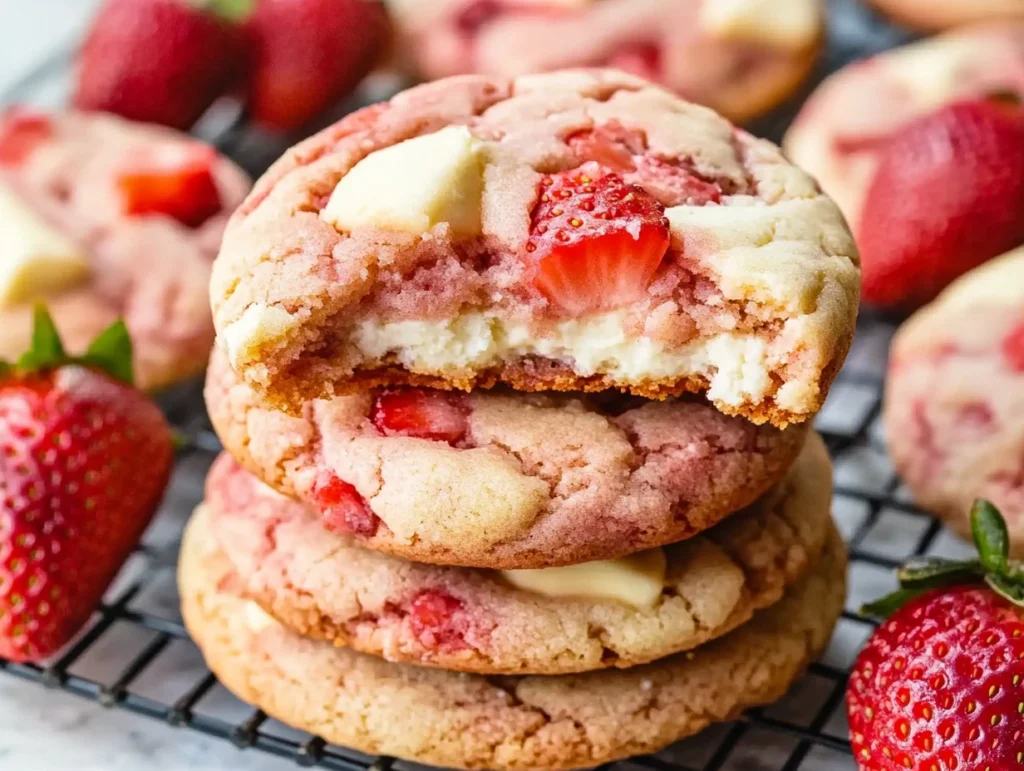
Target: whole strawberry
[947, 196]
[160, 61]
[307, 54]
[940, 685]
[84, 460]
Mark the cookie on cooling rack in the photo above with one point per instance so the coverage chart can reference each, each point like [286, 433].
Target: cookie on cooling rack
[499, 480]
[516, 723]
[741, 57]
[101, 218]
[616, 613]
[954, 399]
[580, 230]
[930, 15]
[840, 133]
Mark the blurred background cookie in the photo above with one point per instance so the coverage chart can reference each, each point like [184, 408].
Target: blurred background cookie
[100, 219]
[933, 15]
[922, 147]
[741, 57]
[954, 400]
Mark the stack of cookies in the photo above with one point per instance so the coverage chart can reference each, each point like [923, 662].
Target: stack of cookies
[514, 379]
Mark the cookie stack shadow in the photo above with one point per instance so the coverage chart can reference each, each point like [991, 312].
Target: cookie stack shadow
[680, 566]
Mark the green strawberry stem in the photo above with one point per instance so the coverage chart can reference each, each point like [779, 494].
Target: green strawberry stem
[110, 352]
[234, 11]
[994, 567]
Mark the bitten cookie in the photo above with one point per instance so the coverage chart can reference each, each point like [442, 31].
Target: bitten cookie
[740, 57]
[930, 15]
[515, 723]
[841, 131]
[954, 400]
[100, 219]
[617, 613]
[498, 480]
[580, 230]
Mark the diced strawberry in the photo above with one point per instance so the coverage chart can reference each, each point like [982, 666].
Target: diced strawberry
[423, 413]
[611, 144]
[675, 182]
[438, 620]
[640, 59]
[21, 132]
[343, 509]
[596, 242]
[175, 180]
[1013, 348]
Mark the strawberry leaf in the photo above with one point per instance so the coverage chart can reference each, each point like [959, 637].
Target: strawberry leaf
[1007, 587]
[930, 572]
[111, 352]
[889, 604]
[233, 11]
[990, 536]
[46, 351]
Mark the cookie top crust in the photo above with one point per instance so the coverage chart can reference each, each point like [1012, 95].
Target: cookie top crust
[325, 585]
[533, 723]
[841, 130]
[954, 398]
[81, 195]
[740, 57]
[718, 267]
[499, 480]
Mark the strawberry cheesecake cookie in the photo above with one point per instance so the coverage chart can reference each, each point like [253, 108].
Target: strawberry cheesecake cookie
[613, 613]
[740, 57]
[930, 15]
[923, 149]
[529, 723]
[580, 230]
[954, 402]
[100, 219]
[498, 480]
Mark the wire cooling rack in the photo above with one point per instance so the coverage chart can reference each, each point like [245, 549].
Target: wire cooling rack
[137, 656]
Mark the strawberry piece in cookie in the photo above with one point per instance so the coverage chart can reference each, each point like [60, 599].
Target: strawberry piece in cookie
[423, 413]
[175, 180]
[21, 132]
[596, 241]
[1013, 348]
[568, 231]
[344, 509]
[438, 620]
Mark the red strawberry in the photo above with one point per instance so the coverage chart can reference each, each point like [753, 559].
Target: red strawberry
[939, 684]
[84, 460]
[640, 59]
[1013, 348]
[438, 620]
[310, 53]
[596, 242]
[343, 509]
[175, 180]
[422, 412]
[21, 132]
[160, 61]
[948, 195]
[611, 144]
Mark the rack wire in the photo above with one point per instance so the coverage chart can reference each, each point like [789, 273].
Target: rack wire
[136, 655]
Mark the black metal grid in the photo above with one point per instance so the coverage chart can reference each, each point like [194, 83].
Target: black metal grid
[805, 731]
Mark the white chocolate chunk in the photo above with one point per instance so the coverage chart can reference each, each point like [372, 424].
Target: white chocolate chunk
[777, 23]
[258, 619]
[413, 186]
[636, 580]
[36, 260]
[259, 326]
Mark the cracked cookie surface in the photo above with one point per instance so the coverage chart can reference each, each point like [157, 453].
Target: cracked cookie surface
[501, 723]
[954, 398]
[103, 183]
[324, 585]
[499, 480]
[577, 231]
